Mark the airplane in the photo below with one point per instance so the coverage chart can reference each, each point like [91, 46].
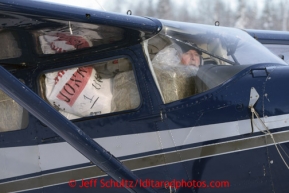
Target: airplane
[94, 101]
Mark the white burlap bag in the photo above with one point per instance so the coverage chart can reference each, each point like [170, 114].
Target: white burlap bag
[78, 91]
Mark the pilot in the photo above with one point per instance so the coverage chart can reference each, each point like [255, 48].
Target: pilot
[191, 56]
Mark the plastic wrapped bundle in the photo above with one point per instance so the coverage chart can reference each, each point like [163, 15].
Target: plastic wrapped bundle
[176, 81]
[125, 92]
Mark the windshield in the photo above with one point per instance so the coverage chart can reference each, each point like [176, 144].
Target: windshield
[187, 59]
[230, 45]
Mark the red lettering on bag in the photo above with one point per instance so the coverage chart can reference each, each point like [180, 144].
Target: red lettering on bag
[59, 74]
[75, 85]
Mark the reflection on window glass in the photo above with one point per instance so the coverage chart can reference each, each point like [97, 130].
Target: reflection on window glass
[92, 90]
[9, 46]
[174, 73]
[187, 59]
[75, 36]
[13, 116]
[279, 50]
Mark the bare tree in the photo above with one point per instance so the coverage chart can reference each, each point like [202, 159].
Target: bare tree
[247, 14]
[150, 9]
[241, 19]
[205, 12]
[285, 4]
[222, 12]
[267, 15]
[252, 15]
[164, 9]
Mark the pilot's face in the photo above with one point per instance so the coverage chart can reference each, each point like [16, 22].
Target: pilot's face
[191, 57]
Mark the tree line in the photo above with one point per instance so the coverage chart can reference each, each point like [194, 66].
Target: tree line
[264, 14]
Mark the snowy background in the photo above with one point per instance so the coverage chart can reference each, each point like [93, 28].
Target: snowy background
[254, 14]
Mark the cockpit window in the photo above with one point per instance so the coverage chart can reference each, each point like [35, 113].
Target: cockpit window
[230, 45]
[100, 88]
[75, 36]
[187, 59]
